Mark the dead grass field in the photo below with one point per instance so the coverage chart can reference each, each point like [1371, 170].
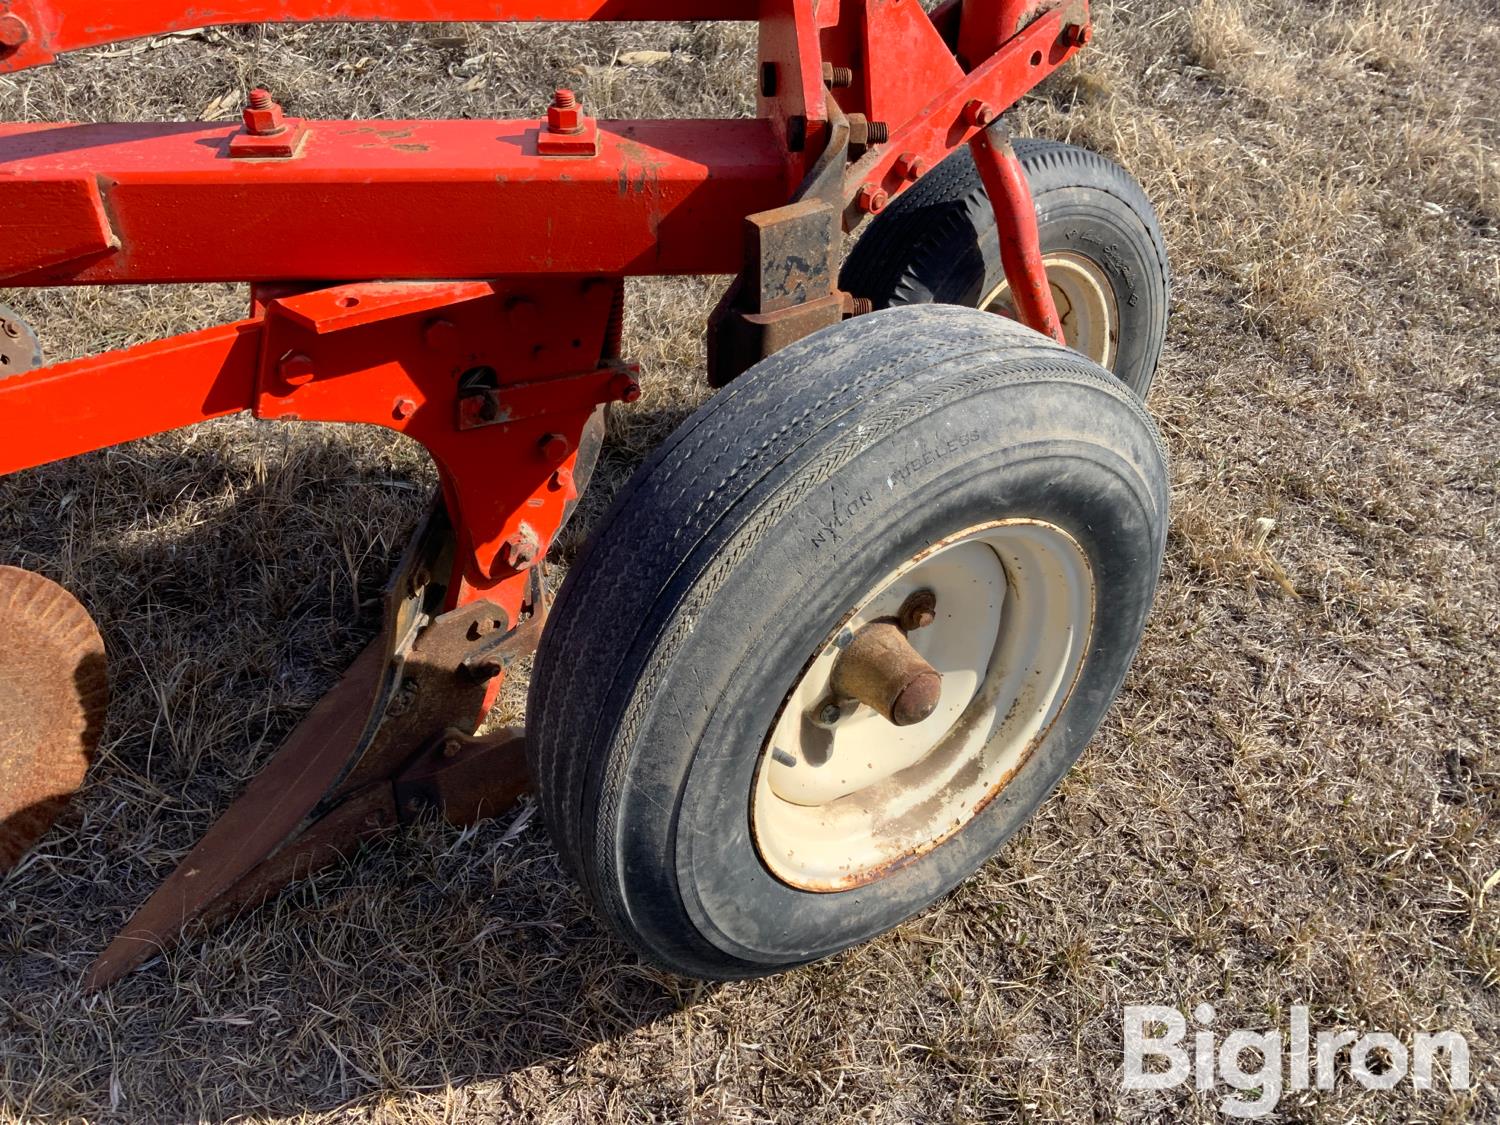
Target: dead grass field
[1296, 800]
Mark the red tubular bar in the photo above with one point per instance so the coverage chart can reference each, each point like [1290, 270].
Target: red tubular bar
[1015, 213]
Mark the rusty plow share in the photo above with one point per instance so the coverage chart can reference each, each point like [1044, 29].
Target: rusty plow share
[377, 751]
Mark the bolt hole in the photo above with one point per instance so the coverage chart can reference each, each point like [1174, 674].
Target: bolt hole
[350, 302]
[768, 80]
[4, 360]
[1036, 58]
[578, 343]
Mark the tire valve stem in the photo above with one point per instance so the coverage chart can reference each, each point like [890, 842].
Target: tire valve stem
[782, 758]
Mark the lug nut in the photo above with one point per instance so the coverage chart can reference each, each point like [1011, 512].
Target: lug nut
[918, 611]
[872, 200]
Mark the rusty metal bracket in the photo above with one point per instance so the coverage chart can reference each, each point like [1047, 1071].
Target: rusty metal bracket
[464, 778]
[332, 782]
[788, 288]
[496, 406]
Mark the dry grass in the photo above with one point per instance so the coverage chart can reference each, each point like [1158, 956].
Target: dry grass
[1296, 799]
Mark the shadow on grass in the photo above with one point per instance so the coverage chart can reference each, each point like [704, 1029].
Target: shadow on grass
[436, 959]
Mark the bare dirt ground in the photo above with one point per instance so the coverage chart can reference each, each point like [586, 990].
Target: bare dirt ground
[1295, 801]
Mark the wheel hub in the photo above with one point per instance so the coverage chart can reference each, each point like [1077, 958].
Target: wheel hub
[857, 777]
[1085, 303]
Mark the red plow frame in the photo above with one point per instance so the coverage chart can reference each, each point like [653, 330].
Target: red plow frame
[461, 282]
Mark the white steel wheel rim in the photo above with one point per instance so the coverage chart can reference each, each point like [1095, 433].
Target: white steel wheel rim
[1085, 302]
[838, 806]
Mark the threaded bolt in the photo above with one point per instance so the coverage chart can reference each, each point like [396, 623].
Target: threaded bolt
[862, 306]
[564, 99]
[838, 77]
[260, 98]
[878, 132]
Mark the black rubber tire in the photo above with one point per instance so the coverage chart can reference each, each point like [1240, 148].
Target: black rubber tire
[937, 243]
[728, 557]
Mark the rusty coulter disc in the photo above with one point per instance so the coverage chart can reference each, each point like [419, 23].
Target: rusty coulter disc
[53, 691]
[19, 348]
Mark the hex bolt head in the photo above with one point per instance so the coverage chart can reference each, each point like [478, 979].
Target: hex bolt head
[830, 714]
[439, 334]
[978, 114]
[13, 32]
[564, 114]
[404, 408]
[872, 199]
[626, 388]
[296, 369]
[262, 116]
[910, 166]
[520, 551]
[554, 447]
[1078, 34]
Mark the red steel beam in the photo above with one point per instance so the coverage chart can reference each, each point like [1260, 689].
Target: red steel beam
[36, 31]
[69, 408]
[392, 200]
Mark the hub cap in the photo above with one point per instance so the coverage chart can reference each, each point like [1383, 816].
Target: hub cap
[842, 795]
[1085, 304]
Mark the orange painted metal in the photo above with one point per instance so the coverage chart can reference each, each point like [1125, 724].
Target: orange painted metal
[368, 353]
[40, 30]
[461, 283]
[1015, 216]
[388, 199]
[479, 371]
